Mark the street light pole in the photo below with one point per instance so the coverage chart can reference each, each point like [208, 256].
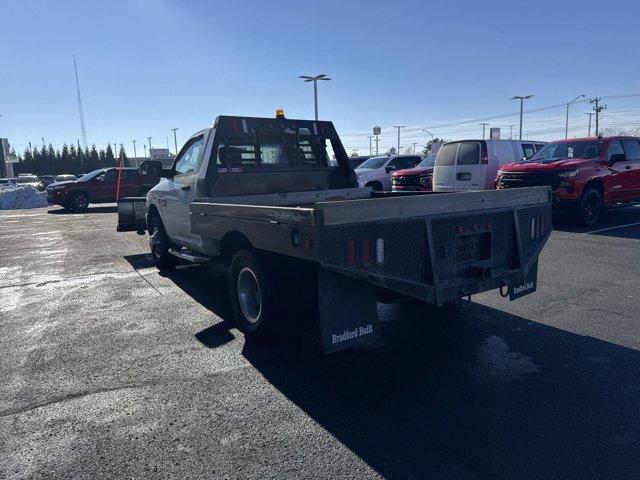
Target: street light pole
[522, 99]
[315, 79]
[149, 138]
[134, 149]
[414, 147]
[175, 140]
[428, 132]
[370, 145]
[511, 134]
[566, 122]
[484, 125]
[398, 127]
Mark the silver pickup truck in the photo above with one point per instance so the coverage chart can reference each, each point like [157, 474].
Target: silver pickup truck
[261, 195]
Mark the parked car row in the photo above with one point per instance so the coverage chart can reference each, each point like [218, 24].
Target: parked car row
[37, 182]
[586, 175]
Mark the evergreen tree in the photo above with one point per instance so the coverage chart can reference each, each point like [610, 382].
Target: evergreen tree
[123, 155]
[94, 158]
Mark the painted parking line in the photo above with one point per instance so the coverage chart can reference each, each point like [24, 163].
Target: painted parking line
[611, 228]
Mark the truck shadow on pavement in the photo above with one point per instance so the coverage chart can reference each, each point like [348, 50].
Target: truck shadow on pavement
[90, 210]
[618, 222]
[459, 393]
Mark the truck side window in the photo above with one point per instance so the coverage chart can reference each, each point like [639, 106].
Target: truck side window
[189, 159]
[615, 147]
[631, 148]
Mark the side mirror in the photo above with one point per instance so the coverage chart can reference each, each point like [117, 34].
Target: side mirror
[150, 168]
[389, 168]
[617, 157]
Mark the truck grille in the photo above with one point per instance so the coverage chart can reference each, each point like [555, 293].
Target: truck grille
[529, 179]
[407, 180]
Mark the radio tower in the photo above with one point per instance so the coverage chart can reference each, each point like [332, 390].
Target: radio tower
[82, 129]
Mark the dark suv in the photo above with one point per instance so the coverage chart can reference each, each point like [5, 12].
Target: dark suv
[99, 186]
[585, 174]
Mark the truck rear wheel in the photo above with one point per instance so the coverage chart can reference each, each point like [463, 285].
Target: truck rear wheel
[251, 292]
[159, 244]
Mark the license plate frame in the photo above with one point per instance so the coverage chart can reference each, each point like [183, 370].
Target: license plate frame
[473, 247]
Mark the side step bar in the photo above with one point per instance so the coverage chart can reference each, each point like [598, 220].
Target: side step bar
[189, 257]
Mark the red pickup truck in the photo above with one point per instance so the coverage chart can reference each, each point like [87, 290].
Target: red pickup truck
[585, 174]
[418, 178]
[100, 186]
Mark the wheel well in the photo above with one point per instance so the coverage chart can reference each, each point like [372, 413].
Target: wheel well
[372, 183]
[233, 241]
[596, 185]
[153, 211]
[82, 191]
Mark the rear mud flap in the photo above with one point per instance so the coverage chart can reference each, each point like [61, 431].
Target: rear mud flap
[347, 311]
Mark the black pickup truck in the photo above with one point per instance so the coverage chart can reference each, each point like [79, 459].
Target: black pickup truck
[261, 195]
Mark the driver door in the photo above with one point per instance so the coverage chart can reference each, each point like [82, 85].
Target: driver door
[181, 192]
[621, 176]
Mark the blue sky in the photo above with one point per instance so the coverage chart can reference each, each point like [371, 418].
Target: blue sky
[147, 66]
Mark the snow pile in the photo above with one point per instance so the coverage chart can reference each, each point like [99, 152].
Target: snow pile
[14, 196]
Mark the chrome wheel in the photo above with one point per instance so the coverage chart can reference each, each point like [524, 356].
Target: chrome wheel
[249, 295]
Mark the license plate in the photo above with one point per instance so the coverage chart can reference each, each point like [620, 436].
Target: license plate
[473, 247]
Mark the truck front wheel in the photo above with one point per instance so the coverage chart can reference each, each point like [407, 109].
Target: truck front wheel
[251, 296]
[590, 208]
[159, 244]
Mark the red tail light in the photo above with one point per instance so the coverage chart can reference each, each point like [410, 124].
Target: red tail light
[365, 252]
[484, 154]
[351, 253]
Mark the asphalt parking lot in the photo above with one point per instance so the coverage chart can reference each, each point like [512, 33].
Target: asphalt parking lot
[110, 369]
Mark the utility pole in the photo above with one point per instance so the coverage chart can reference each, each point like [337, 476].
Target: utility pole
[149, 138]
[145, 151]
[175, 140]
[167, 138]
[30, 149]
[370, 146]
[399, 127]
[522, 99]
[511, 134]
[597, 108]
[590, 115]
[484, 126]
[414, 147]
[135, 155]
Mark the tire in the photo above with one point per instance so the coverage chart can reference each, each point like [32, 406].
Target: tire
[251, 291]
[376, 186]
[80, 202]
[159, 245]
[590, 208]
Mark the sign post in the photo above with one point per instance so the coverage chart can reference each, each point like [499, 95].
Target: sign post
[376, 132]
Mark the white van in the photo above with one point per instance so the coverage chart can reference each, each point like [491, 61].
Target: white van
[473, 164]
